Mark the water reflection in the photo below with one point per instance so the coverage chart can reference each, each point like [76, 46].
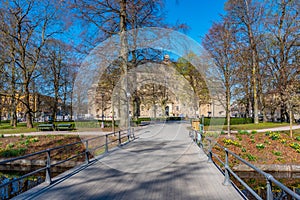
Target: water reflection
[258, 183]
[8, 173]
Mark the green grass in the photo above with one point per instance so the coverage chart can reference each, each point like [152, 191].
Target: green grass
[6, 128]
[257, 126]
[249, 126]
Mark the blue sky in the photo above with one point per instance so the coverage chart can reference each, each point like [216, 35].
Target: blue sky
[197, 14]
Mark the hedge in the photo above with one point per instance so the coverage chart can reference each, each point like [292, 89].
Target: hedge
[223, 121]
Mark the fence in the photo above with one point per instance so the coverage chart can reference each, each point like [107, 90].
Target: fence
[228, 171]
[119, 140]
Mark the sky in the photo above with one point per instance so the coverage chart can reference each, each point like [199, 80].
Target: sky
[197, 14]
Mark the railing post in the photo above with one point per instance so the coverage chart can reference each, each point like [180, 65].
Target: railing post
[132, 132]
[227, 179]
[119, 137]
[269, 188]
[48, 168]
[209, 153]
[87, 152]
[106, 143]
[128, 134]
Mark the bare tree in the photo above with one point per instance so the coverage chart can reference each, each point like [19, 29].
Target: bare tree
[247, 13]
[280, 48]
[29, 22]
[221, 43]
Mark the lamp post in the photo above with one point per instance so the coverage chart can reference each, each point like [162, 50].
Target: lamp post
[102, 115]
[128, 113]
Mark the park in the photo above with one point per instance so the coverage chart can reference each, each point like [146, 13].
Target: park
[149, 99]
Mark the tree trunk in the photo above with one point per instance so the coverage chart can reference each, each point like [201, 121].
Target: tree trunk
[124, 93]
[254, 62]
[28, 114]
[13, 120]
[228, 111]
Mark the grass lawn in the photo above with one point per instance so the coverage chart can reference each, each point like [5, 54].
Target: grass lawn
[249, 126]
[257, 126]
[6, 128]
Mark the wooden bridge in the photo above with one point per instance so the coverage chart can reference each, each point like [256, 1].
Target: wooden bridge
[162, 163]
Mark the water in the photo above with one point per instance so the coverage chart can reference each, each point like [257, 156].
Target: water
[8, 173]
[259, 184]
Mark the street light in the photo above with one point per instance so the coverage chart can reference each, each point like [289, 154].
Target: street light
[102, 116]
[128, 113]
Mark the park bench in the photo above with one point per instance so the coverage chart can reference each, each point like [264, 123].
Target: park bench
[48, 127]
[144, 123]
[66, 127]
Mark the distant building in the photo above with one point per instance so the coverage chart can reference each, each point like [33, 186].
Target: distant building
[41, 106]
[162, 92]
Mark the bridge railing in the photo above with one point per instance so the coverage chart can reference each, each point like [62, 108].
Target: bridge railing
[118, 139]
[227, 169]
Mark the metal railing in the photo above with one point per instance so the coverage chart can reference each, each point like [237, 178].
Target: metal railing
[129, 135]
[227, 170]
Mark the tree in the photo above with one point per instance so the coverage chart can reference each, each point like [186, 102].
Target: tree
[28, 27]
[246, 14]
[281, 50]
[221, 43]
[110, 17]
[55, 76]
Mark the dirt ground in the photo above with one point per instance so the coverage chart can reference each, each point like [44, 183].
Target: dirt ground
[261, 148]
[17, 146]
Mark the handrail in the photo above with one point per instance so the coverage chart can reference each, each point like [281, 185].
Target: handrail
[121, 135]
[269, 178]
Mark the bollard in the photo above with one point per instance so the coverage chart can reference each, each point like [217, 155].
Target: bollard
[106, 143]
[48, 168]
[119, 137]
[269, 188]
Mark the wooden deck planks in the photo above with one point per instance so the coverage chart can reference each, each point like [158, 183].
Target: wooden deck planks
[155, 166]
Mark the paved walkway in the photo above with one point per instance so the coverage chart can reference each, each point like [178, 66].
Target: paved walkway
[163, 163]
[283, 128]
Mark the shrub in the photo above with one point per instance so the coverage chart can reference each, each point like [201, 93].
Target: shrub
[1, 136]
[243, 132]
[275, 136]
[223, 121]
[267, 142]
[231, 142]
[239, 137]
[251, 157]
[10, 145]
[13, 152]
[244, 149]
[298, 138]
[268, 133]
[253, 132]
[260, 146]
[295, 145]
[277, 153]
[283, 141]
[22, 136]
[34, 139]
